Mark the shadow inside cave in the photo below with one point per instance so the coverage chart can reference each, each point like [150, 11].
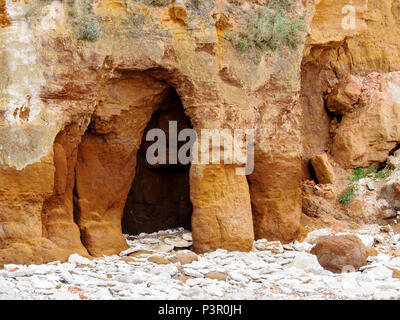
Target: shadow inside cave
[159, 198]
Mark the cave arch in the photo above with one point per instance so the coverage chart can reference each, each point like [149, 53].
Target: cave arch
[159, 198]
[110, 156]
[211, 199]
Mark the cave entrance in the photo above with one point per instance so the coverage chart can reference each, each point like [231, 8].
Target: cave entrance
[159, 198]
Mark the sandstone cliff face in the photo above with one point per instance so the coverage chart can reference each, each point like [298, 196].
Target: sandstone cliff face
[367, 135]
[350, 97]
[77, 109]
[82, 79]
[335, 50]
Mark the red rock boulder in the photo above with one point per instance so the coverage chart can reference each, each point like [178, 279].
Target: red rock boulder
[339, 254]
[344, 96]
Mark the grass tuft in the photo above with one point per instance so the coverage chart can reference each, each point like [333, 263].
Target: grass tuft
[158, 3]
[267, 29]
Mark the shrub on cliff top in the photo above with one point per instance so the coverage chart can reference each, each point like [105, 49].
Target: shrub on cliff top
[86, 26]
[159, 3]
[282, 4]
[268, 29]
[88, 30]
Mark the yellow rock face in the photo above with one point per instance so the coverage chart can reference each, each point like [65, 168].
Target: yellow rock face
[337, 20]
[4, 19]
[369, 45]
[323, 169]
[367, 135]
[221, 209]
[334, 53]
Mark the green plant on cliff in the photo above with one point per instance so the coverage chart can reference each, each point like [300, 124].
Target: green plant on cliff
[158, 3]
[267, 29]
[85, 24]
[358, 174]
[28, 13]
[88, 30]
[197, 2]
[384, 173]
[283, 4]
[347, 195]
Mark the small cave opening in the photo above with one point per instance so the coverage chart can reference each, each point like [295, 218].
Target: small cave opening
[159, 197]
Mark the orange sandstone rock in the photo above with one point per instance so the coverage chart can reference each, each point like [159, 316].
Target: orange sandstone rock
[341, 253]
[323, 169]
[367, 135]
[221, 209]
[275, 188]
[4, 19]
[72, 118]
[158, 260]
[107, 160]
[185, 257]
[371, 251]
[220, 276]
[344, 96]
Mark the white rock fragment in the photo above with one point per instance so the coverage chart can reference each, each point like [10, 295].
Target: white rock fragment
[129, 251]
[5, 286]
[307, 262]
[259, 265]
[163, 248]
[187, 236]
[10, 267]
[193, 282]
[78, 260]
[149, 241]
[302, 246]
[192, 273]
[288, 247]
[368, 240]
[396, 239]
[239, 277]
[66, 276]
[138, 277]
[315, 236]
[178, 242]
[38, 283]
[390, 213]
[395, 262]
[192, 292]
[368, 266]
[253, 274]
[214, 290]
[67, 266]
[379, 272]
[265, 245]
[250, 259]
[216, 253]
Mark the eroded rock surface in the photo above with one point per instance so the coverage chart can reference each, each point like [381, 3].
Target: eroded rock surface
[87, 83]
[323, 169]
[367, 135]
[90, 76]
[339, 254]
